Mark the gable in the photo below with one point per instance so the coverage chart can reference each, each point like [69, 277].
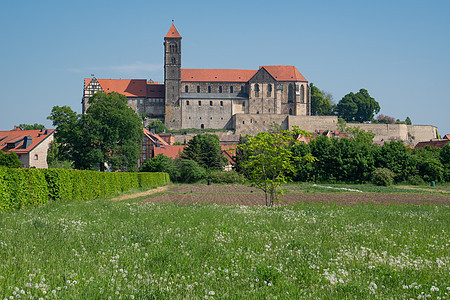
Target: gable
[262, 76]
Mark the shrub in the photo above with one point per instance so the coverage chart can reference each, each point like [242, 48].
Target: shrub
[190, 171]
[415, 180]
[383, 177]
[161, 163]
[226, 177]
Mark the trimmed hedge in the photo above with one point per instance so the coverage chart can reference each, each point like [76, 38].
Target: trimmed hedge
[20, 188]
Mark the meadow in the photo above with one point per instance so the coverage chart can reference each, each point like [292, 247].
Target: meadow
[141, 250]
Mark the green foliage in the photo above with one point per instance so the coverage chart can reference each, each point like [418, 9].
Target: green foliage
[56, 158]
[383, 177]
[267, 161]
[228, 177]
[415, 180]
[21, 188]
[109, 133]
[190, 171]
[31, 127]
[157, 125]
[444, 156]
[162, 163]
[10, 160]
[205, 150]
[408, 121]
[320, 105]
[359, 107]
[429, 165]
[398, 158]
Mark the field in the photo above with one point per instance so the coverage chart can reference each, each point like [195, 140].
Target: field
[317, 246]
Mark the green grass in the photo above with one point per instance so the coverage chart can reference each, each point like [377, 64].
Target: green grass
[101, 249]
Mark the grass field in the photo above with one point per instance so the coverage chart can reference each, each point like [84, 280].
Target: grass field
[141, 250]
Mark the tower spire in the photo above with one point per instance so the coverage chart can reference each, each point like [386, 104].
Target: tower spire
[173, 32]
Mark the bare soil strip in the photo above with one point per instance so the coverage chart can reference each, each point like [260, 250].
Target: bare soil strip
[146, 193]
[242, 195]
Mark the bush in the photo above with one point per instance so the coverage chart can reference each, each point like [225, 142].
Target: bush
[415, 180]
[226, 177]
[383, 177]
[161, 163]
[190, 171]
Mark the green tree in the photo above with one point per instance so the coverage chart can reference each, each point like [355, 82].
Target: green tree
[321, 102]
[398, 158]
[190, 171]
[268, 161]
[10, 160]
[31, 127]
[157, 125]
[444, 156]
[205, 150]
[408, 121]
[110, 133]
[359, 107]
[56, 158]
[162, 163]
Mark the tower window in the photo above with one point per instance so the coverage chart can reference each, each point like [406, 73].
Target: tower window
[220, 89]
[199, 103]
[256, 90]
[187, 102]
[210, 103]
[231, 89]
[290, 111]
[209, 89]
[186, 88]
[221, 103]
[302, 93]
[174, 61]
[269, 90]
[198, 89]
[290, 93]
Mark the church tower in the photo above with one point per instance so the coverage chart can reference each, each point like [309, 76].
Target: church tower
[172, 78]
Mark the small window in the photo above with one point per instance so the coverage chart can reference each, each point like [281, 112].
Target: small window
[144, 140]
[144, 156]
[220, 89]
[209, 89]
[202, 126]
[231, 89]
[199, 103]
[186, 89]
[243, 104]
[174, 61]
[221, 103]
[210, 103]
[269, 90]
[290, 111]
[242, 89]
[198, 89]
[256, 90]
[187, 102]
[36, 157]
[144, 148]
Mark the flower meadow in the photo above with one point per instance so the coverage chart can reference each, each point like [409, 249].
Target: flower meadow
[131, 250]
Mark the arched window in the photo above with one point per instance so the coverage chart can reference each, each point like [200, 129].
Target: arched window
[210, 103]
[256, 90]
[209, 89]
[302, 93]
[187, 102]
[290, 93]
[175, 48]
[36, 157]
[174, 61]
[221, 103]
[269, 90]
[198, 89]
[202, 126]
[199, 103]
[220, 89]
[186, 89]
[231, 89]
[290, 111]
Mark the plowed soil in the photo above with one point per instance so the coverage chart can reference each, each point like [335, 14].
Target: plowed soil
[243, 195]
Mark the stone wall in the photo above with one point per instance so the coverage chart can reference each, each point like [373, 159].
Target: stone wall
[212, 113]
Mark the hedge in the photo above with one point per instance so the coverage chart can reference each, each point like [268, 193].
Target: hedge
[21, 188]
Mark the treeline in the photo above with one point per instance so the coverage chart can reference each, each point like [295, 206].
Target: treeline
[21, 188]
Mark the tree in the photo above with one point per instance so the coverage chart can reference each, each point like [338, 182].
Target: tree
[109, 134]
[408, 121]
[56, 158]
[31, 127]
[162, 163]
[205, 150]
[157, 125]
[321, 102]
[268, 161]
[385, 119]
[398, 158]
[10, 160]
[359, 107]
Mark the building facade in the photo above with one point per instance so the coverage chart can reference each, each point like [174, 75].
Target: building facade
[209, 98]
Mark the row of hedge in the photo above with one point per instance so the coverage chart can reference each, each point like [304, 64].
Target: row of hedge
[21, 188]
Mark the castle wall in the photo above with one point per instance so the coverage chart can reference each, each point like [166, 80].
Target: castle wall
[215, 87]
[313, 123]
[254, 123]
[422, 133]
[201, 113]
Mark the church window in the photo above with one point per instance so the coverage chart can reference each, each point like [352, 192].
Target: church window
[187, 102]
[186, 88]
[198, 89]
[209, 89]
[220, 89]
[231, 89]
[175, 48]
[256, 90]
[221, 103]
[199, 103]
[174, 61]
[290, 93]
[290, 111]
[269, 90]
[302, 93]
[210, 103]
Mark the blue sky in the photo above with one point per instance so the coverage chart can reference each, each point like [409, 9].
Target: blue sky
[397, 50]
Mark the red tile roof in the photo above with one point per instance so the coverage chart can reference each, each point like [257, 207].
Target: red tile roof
[154, 137]
[446, 137]
[170, 151]
[17, 135]
[217, 75]
[284, 73]
[130, 87]
[173, 33]
[432, 144]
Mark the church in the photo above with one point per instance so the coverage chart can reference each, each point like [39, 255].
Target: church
[209, 98]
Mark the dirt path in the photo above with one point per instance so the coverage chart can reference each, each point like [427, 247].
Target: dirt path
[146, 193]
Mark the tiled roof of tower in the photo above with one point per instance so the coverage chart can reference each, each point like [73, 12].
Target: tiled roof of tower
[173, 33]
[16, 136]
[130, 87]
[217, 75]
[284, 73]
